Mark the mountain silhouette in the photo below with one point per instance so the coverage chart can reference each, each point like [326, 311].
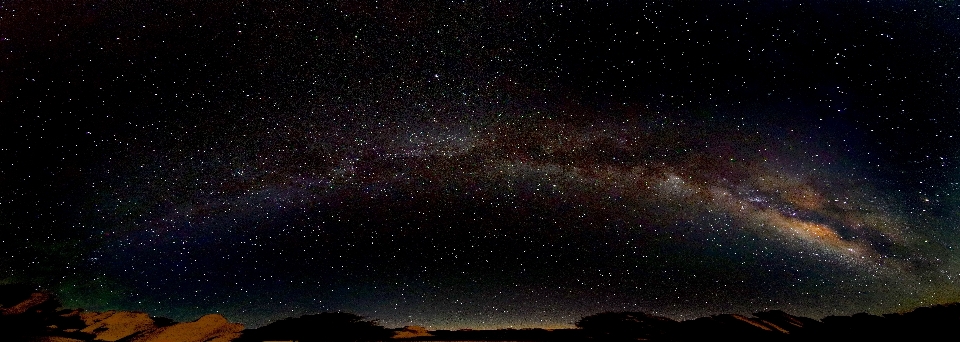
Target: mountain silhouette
[324, 327]
[927, 323]
[30, 315]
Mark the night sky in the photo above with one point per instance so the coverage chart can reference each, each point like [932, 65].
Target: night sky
[481, 164]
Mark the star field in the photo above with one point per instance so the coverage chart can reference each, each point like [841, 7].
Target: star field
[481, 164]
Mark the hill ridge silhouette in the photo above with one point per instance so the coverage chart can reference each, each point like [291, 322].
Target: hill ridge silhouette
[27, 314]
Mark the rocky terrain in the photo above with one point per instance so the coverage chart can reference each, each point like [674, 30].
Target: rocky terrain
[35, 316]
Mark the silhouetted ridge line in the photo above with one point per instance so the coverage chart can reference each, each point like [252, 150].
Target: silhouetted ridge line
[27, 314]
[327, 326]
[926, 323]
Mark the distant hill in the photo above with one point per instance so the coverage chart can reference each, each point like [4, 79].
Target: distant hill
[29, 315]
[923, 324]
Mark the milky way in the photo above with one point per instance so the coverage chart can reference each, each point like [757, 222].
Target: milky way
[481, 164]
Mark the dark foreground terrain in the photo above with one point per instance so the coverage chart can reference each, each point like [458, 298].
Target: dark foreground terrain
[29, 315]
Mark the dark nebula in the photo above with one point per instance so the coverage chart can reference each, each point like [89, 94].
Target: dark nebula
[481, 164]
